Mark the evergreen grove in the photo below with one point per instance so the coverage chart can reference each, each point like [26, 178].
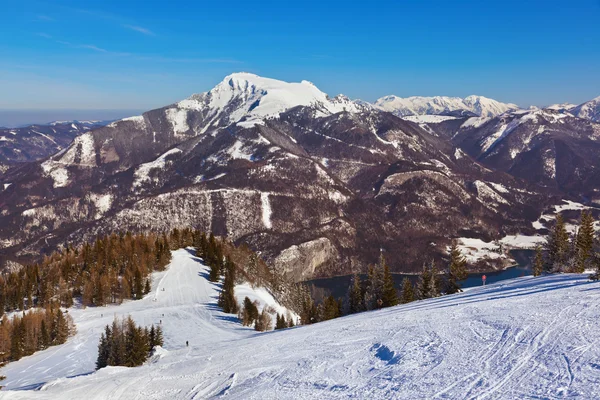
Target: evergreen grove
[127, 344]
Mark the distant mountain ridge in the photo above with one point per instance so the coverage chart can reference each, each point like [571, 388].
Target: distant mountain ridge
[442, 105]
[38, 141]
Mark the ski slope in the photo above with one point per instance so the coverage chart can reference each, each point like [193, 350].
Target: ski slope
[534, 338]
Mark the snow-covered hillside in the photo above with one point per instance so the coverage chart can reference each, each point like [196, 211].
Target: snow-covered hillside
[443, 105]
[526, 338]
[183, 301]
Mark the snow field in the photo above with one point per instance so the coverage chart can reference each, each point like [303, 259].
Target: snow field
[524, 338]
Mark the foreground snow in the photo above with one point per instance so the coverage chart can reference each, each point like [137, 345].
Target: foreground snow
[525, 338]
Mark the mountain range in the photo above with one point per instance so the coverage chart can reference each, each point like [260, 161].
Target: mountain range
[34, 142]
[318, 185]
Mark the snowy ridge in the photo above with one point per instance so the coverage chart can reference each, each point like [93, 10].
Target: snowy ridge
[524, 338]
[471, 105]
[588, 110]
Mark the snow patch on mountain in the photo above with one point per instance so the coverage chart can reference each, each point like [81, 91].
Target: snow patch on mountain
[475, 122]
[266, 210]
[102, 202]
[178, 119]
[142, 172]
[138, 120]
[57, 172]
[428, 119]
[239, 151]
[81, 150]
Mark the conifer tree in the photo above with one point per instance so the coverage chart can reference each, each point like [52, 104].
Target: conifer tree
[434, 281]
[390, 295]
[281, 323]
[538, 262]
[102, 360]
[558, 246]
[249, 312]
[330, 308]
[17, 340]
[374, 291]
[584, 242]
[354, 296]
[158, 337]
[227, 296]
[456, 270]
[423, 287]
[44, 335]
[408, 292]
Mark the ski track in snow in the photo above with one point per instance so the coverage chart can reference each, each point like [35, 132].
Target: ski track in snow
[524, 338]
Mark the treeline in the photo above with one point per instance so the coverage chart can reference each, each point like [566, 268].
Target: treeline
[109, 270]
[127, 344]
[565, 252]
[38, 329]
[378, 290]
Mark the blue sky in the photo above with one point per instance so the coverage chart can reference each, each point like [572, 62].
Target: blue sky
[145, 54]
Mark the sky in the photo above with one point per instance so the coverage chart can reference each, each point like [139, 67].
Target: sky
[125, 55]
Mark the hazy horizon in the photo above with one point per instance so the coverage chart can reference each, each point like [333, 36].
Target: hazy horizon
[11, 118]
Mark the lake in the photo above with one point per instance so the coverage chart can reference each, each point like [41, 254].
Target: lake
[338, 285]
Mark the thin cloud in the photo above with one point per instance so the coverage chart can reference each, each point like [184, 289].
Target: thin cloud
[188, 60]
[123, 21]
[92, 47]
[84, 46]
[139, 29]
[42, 17]
[144, 57]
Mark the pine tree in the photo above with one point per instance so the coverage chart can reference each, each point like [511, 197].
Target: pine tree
[17, 340]
[250, 312]
[60, 329]
[44, 335]
[354, 296]
[374, 291]
[584, 242]
[281, 323]
[227, 296]
[147, 286]
[408, 292]
[423, 287]
[331, 308]
[558, 245]
[538, 263]
[456, 270]
[158, 336]
[434, 282]
[389, 294]
[103, 349]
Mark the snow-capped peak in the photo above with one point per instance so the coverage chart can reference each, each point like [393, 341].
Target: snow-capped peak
[245, 95]
[588, 110]
[417, 105]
